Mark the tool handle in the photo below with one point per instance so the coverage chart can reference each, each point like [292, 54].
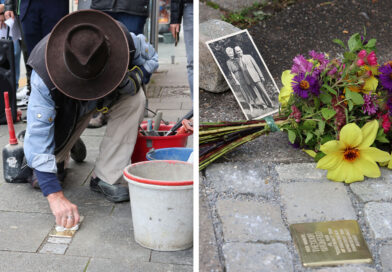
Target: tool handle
[8, 114]
[179, 124]
[157, 120]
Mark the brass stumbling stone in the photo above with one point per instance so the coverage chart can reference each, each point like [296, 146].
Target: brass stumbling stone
[330, 243]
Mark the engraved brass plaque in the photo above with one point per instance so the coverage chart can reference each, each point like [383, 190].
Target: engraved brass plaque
[65, 233]
[330, 243]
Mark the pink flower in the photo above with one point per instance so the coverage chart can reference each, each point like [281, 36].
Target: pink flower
[372, 59]
[360, 62]
[386, 124]
[362, 54]
[295, 113]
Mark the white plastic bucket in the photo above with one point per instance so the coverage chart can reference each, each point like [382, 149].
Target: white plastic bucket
[161, 194]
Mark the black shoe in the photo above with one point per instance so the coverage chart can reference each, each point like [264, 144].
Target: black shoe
[114, 193]
[78, 151]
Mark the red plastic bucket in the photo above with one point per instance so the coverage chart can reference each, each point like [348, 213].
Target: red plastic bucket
[146, 143]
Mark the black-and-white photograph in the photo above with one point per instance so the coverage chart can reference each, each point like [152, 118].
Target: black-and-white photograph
[246, 73]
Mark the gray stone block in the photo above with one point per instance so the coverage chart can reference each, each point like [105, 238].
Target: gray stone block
[89, 202]
[235, 5]
[173, 257]
[208, 249]
[123, 265]
[316, 201]
[386, 257]
[353, 268]
[59, 240]
[379, 218]
[23, 231]
[33, 262]
[257, 257]
[107, 237]
[300, 172]
[207, 13]
[250, 221]
[241, 178]
[373, 190]
[22, 198]
[54, 248]
[211, 78]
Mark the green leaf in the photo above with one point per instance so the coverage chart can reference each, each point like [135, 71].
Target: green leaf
[327, 138]
[309, 137]
[319, 156]
[354, 43]
[339, 42]
[291, 135]
[381, 137]
[309, 125]
[371, 43]
[321, 126]
[329, 89]
[349, 56]
[350, 105]
[326, 98]
[355, 97]
[327, 113]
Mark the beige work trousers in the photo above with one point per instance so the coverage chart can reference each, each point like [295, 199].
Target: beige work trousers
[117, 145]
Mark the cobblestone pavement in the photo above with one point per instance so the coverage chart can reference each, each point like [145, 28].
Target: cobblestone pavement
[105, 241]
[249, 204]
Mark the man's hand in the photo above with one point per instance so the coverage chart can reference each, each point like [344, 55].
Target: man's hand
[174, 29]
[66, 213]
[9, 14]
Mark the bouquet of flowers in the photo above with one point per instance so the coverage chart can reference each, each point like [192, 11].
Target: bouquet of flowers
[337, 110]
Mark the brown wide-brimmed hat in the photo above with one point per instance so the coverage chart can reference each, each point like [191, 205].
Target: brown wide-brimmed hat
[87, 55]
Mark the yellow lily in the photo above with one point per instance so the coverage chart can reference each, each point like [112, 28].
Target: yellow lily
[351, 158]
[287, 90]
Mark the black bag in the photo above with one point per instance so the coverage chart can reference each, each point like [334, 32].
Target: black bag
[7, 77]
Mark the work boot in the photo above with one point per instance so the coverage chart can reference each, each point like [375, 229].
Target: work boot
[78, 151]
[113, 193]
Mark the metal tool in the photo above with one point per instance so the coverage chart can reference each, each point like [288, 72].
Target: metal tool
[187, 116]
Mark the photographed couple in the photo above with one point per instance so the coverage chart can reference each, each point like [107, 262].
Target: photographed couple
[248, 78]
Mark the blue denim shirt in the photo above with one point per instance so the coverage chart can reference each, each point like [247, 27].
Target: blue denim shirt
[39, 139]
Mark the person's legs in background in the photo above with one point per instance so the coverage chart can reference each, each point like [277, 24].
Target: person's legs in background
[134, 23]
[17, 62]
[188, 37]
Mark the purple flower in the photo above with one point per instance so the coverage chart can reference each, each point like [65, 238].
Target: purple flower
[386, 76]
[301, 65]
[303, 85]
[332, 71]
[320, 57]
[369, 106]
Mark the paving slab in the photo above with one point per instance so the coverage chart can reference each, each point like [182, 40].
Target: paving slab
[24, 231]
[379, 189]
[357, 268]
[28, 262]
[89, 202]
[386, 257]
[316, 201]
[107, 237]
[23, 198]
[241, 178]
[54, 248]
[257, 257]
[118, 265]
[379, 218]
[208, 249]
[251, 221]
[300, 172]
[174, 257]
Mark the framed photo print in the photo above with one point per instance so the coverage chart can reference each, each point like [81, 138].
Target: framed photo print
[246, 73]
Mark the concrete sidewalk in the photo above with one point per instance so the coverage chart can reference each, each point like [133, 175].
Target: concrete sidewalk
[105, 241]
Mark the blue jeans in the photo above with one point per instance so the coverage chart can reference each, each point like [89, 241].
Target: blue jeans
[134, 23]
[188, 38]
[17, 62]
